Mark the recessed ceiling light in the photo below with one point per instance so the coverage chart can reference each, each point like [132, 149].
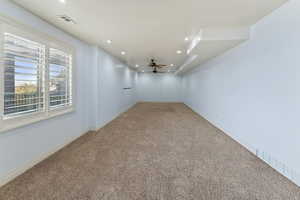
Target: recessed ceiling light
[179, 52]
[62, 1]
[172, 65]
[186, 39]
[143, 71]
[136, 65]
[123, 52]
[108, 41]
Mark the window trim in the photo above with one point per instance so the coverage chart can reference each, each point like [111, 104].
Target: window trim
[42, 80]
[13, 27]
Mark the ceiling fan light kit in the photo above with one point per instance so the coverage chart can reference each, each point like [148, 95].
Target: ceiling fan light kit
[156, 66]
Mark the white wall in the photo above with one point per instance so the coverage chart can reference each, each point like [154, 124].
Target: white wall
[253, 91]
[111, 79]
[99, 98]
[21, 146]
[159, 87]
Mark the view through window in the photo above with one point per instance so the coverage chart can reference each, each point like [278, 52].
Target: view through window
[37, 78]
[59, 78]
[23, 75]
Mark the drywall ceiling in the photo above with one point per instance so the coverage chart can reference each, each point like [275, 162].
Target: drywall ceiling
[157, 29]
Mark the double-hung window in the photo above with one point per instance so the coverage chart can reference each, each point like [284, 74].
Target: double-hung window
[36, 80]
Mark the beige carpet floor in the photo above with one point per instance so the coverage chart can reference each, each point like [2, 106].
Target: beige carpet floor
[153, 152]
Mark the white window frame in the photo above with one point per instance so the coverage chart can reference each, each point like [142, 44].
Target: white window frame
[10, 26]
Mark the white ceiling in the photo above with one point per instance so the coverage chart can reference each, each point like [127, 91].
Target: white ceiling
[156, 29]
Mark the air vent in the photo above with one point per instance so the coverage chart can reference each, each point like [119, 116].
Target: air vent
[67, 19]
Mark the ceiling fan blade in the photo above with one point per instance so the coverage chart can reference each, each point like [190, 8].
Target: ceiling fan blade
[162, 65]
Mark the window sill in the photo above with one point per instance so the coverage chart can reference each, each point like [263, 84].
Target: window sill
[18, 122]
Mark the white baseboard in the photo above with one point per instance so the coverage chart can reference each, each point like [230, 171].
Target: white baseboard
[269, 159]
[20, 170]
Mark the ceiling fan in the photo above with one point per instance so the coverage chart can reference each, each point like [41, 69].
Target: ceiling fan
[156, 66]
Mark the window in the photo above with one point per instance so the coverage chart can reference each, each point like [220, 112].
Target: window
[36, 77]
[24, 61]
[60, 78]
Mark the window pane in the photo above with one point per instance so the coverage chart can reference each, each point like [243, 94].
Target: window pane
[23, 76]
[60, 67]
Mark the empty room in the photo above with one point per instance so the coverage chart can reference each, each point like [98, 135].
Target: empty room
[149, 100]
